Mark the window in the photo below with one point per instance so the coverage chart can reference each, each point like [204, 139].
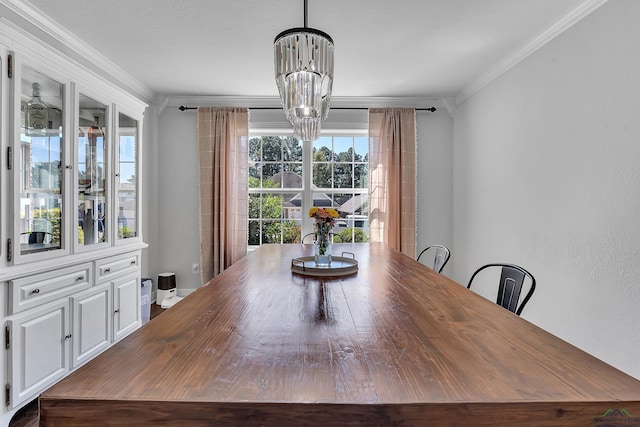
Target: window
[336, 170]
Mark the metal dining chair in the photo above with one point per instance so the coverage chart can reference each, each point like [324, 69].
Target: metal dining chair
[38, 237]
[512, 279]
[333, 237]
[440, 257]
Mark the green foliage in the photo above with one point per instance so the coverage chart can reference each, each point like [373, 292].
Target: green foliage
[80, 235]
[266, 153]
[269, 208]
[125, 232]
[357, 233]
[291, 232]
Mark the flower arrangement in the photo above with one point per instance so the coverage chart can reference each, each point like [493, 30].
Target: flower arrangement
[325, 219]
[326, 215]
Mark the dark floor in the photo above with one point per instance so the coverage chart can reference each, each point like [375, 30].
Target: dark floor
[29, 415]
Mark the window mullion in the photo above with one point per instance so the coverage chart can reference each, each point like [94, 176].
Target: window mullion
[307, 186]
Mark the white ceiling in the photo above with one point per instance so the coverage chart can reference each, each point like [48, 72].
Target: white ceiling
[402, 48]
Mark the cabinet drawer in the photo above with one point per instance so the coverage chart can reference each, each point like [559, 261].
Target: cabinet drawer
[107, 269]
[31, 291]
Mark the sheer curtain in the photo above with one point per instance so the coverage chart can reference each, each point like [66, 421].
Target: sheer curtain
[223, 135]
[392, 178]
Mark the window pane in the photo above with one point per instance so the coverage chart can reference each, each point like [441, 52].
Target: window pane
[92, 192]
[292, 149]
[322, 149]
[322, 175]
[277, 216]
[271, 205]
[292, 177]
[342, 175]
[255, 145]
[361, 145]
[291, 231]
[361, 176]
[271, 232]
[271, 176]
[254, 206]
[254, 232]
[40, 165]
[343, 149]
[127, 183]
[253, 181]
[271, 148]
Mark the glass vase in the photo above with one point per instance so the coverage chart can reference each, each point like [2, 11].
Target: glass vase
[322, 245]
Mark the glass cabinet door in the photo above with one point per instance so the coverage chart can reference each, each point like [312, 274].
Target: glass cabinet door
[93, 220]
[41, 155]
[127, 174]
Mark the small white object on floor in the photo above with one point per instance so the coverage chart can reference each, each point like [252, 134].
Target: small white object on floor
[170, 302]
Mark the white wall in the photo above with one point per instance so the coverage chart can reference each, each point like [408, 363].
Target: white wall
[546, 175]
[435, 180]
[177, 204]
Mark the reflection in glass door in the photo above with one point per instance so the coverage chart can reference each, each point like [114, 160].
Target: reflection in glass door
[92, 186]
[41, 153]
[127, 177]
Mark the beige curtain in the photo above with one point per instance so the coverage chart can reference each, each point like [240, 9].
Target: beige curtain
[223, 135]
[392, 178]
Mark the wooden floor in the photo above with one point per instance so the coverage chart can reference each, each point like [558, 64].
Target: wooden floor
[29, 415]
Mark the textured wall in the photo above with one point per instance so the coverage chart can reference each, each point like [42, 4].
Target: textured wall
[177, 213]
[435, 180]
[546, 175]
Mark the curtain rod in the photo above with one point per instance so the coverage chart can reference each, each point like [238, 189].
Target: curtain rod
[432, 109]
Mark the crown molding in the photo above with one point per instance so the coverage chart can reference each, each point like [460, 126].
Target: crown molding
[529, 48]
[65, 38]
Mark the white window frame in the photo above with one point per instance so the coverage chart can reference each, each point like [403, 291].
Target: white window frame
[345, 122]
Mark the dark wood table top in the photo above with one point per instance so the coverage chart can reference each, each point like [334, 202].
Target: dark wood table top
[393, 344]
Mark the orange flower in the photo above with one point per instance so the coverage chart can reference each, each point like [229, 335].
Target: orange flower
[323, 213]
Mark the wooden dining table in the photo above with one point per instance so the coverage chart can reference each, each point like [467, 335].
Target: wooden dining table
[393, 343]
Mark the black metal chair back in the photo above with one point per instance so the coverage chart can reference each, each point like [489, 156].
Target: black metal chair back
[440, 258]
[333, 238]
[512, 278]
[36, 237]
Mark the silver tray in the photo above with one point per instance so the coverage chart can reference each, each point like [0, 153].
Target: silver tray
[340, 266]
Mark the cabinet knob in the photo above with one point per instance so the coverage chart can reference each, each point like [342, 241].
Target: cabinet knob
[35, 291]
[117, 311]
[107, 270]
[66, 337]
[133, 262]
[80, 278]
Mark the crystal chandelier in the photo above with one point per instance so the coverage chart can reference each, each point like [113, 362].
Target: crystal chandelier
[304, 75]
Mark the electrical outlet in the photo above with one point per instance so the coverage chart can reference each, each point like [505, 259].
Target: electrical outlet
[195, 268]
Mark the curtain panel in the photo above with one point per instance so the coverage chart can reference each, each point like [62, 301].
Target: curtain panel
[223, 135]
[392, 178]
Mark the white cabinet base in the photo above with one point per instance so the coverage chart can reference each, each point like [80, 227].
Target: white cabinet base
[39, 349]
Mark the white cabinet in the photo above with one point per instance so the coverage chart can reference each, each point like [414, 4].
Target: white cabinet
[70, 220]
[32, 291]
[39, 350]
[122, 273]
[110, 268]
[60, 319]
[73, 163]
[92, 323]
[126, 306]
